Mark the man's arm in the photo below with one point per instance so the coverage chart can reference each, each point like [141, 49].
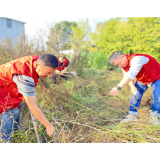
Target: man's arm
[133, 88]
[31, 102]
[25, 86]
[136, 65]
[131, 83]
[64, 70]
[122, 84]
[124, 81]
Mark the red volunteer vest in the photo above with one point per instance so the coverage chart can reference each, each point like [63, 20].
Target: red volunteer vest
[149, 72]
[9, 95]
[64, 64]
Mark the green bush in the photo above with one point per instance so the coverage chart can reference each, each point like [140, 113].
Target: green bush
[96, 61]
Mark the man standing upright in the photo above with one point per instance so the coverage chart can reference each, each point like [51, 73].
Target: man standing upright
[146, 70]
[17, 81]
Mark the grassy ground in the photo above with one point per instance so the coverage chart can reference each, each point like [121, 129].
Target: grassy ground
[83, 112]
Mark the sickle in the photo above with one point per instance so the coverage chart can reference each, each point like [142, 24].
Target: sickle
[134, 101]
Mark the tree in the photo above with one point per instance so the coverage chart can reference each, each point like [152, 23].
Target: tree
[139, 34]
[59, 36]
[81, 43]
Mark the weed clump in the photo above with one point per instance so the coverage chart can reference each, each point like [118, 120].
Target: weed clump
[81, 109]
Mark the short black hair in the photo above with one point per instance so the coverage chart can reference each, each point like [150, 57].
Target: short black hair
[49, 60]
[115, 55]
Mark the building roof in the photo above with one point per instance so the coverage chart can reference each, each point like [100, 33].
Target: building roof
[13, 20]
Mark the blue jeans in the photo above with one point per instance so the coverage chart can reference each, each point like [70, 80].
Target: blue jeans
[141, 88]
[9, 122]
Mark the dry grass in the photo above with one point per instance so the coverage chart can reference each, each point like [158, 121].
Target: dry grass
[80, 110]
[77, 122]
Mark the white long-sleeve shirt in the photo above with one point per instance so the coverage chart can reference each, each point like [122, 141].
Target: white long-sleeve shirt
[136, 64]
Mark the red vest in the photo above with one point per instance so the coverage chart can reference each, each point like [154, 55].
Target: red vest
[64, 64]
[9, 95]
[149, 72]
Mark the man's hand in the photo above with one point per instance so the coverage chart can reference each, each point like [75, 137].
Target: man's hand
[31, 101]
[114, 92]
[57, 71]
[61, 73]
[122, 84]
[134, 90]
[50, 130]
